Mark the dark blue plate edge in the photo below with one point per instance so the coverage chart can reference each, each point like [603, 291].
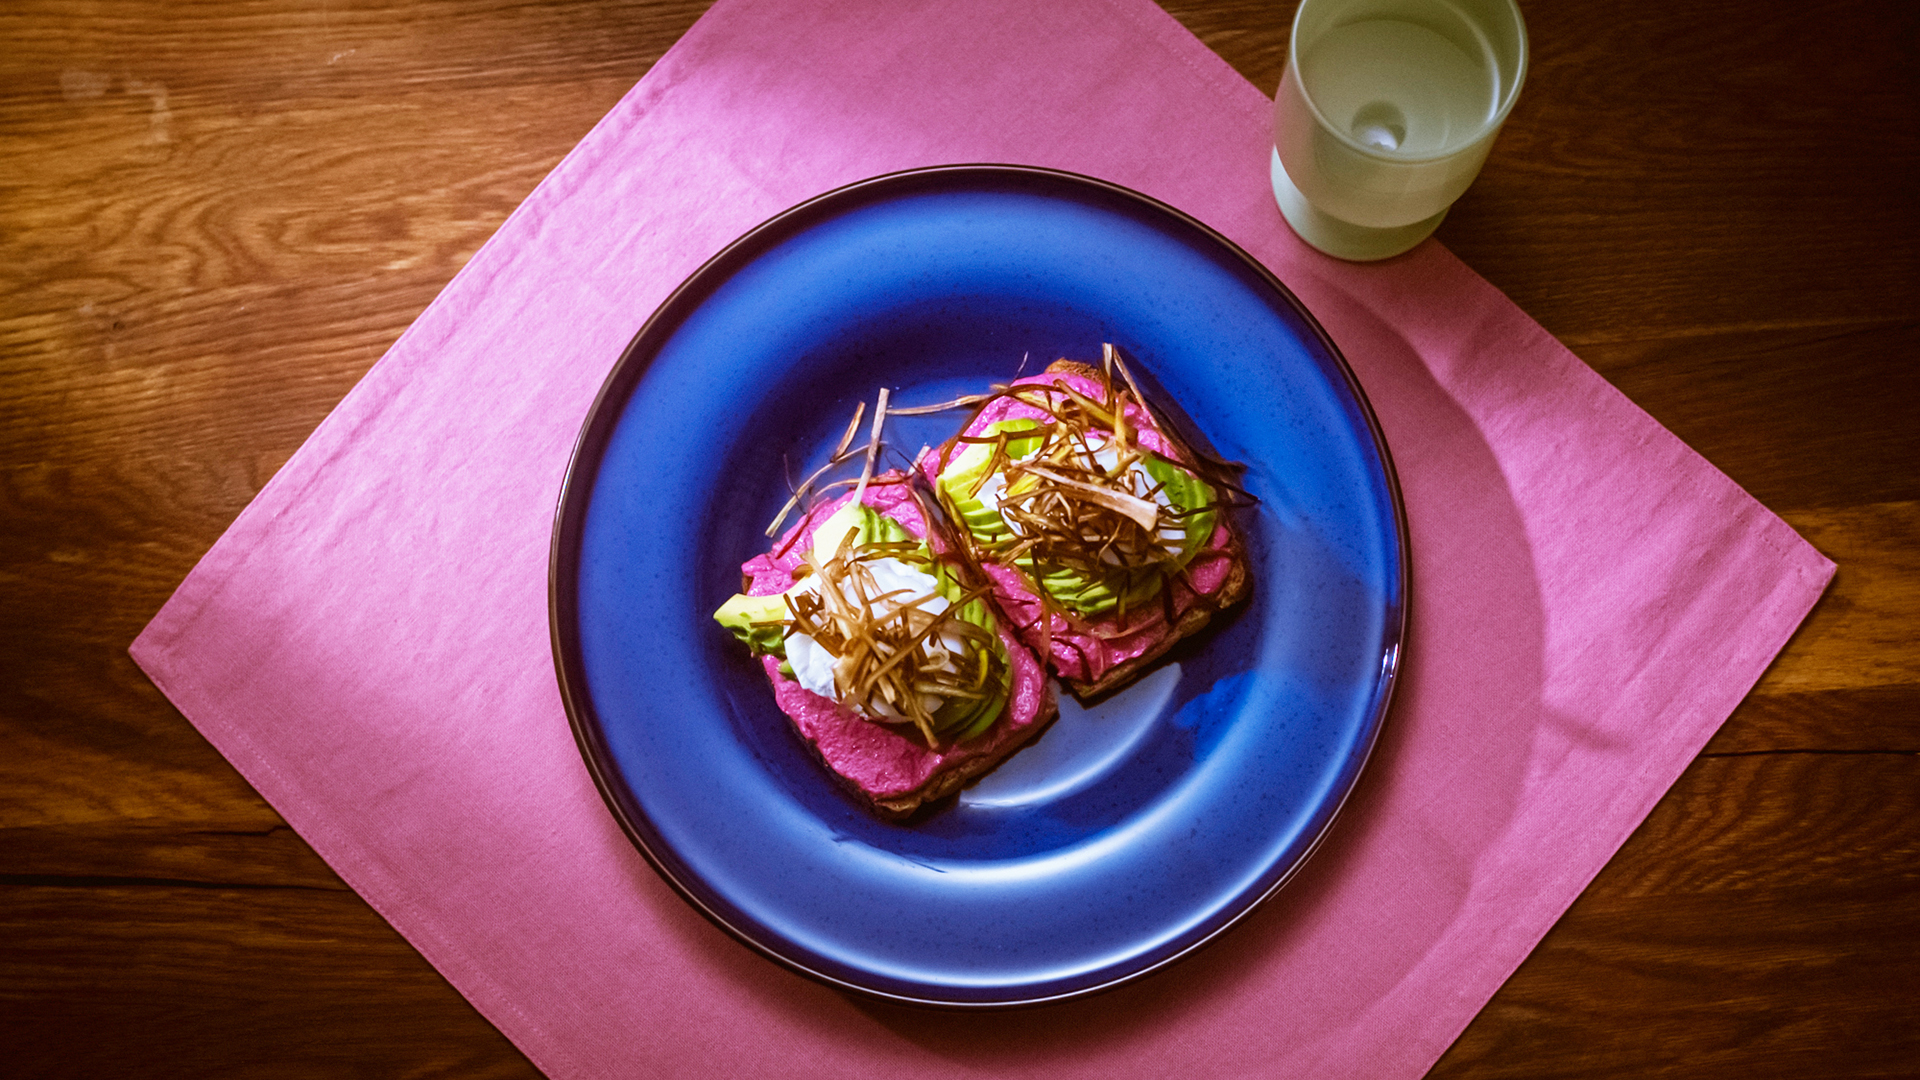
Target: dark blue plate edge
[590, 445]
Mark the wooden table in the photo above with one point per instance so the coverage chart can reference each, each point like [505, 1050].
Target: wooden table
[215, 217]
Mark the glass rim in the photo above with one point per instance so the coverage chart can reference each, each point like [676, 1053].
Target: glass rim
[1509, 96]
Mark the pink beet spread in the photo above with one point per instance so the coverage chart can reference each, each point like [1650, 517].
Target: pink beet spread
[1076, 654]
[878, 759]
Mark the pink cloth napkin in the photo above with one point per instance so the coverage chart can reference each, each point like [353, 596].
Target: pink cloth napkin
[368, 642]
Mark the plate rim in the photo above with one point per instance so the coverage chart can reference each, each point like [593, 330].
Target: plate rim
[596, 427]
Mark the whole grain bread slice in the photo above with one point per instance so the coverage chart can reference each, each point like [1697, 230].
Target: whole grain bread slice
[841, 740]
[1234, 587]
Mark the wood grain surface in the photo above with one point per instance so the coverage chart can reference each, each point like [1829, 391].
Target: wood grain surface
[215, 217]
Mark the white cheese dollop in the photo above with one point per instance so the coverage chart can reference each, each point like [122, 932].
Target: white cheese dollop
[814, 666]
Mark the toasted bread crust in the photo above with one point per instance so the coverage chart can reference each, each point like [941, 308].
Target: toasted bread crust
[942, 784]
[1063, 366]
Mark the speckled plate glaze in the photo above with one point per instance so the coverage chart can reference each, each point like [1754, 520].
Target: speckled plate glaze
[1132, 832]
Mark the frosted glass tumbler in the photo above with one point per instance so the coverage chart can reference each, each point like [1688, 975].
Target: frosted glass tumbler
[1385, 114]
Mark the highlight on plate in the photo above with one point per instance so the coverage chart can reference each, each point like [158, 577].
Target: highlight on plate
[909, 625]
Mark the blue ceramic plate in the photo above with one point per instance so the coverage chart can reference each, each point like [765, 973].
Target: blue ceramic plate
[1130, 833]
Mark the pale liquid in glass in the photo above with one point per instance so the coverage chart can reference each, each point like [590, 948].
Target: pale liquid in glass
[1399, 87]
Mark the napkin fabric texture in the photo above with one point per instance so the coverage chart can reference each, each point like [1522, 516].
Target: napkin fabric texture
[368, 643]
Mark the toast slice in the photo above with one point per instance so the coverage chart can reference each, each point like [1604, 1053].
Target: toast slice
[1042, 483]
[896, 757]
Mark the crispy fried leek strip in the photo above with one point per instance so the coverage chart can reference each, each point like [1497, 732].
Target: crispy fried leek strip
[962, 402]
[1216, 471]
[891, 653]
[1143, 512]
[839, 456]
[1070, 517]
[873, 443]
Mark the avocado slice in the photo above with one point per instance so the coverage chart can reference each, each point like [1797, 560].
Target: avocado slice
[759, 621]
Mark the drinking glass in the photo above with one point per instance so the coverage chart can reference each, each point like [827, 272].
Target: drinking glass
[1385, 114]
